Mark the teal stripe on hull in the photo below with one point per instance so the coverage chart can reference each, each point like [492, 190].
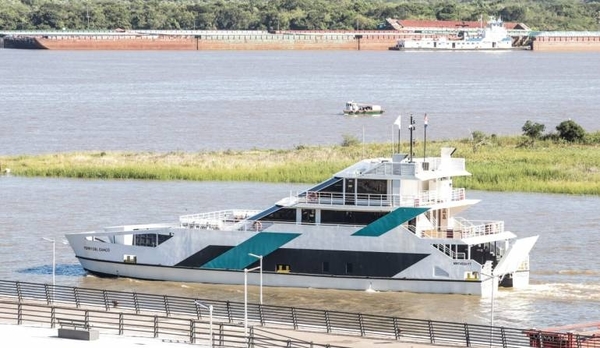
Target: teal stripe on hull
[389, 222]
[263, 244]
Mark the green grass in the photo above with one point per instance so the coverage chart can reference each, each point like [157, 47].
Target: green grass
[499, 165]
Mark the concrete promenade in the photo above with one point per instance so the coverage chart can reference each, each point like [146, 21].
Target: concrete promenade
[13, 335]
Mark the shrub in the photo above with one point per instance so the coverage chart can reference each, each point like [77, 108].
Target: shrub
[570, 131]
[350, 140]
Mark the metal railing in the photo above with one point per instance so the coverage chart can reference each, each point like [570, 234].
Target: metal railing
[164, 309]
[173, 329]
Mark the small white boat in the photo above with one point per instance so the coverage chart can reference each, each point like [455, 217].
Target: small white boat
[354, 108]
[493, 37]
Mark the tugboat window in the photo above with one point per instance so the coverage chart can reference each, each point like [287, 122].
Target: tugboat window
[325, 267]
[348, 268]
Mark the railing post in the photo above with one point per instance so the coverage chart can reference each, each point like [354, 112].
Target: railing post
[251, 337]
[19, 292]
[166, 302]
[193, 331]
[467, 336]
[155, 326]
[19, 313]
[260, 314]
[361, 325]
[76, 296]
[229, 315]
[294, 318]
[503, 337]
[431, 337]
[327, 323]
[121, 324]
[48, 294]
[578, 339]
[397, 329]
[86, 317]
[136, 303]
[105, 296]
[53, 317]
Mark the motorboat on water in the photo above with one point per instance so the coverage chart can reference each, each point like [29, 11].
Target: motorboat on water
[354, 108]
[493, 37]
[382, 224]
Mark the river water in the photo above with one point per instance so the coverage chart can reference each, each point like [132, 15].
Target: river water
[54, 101]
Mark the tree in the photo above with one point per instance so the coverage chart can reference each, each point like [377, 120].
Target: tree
[533, 130]
[479, 139]
[570, 131]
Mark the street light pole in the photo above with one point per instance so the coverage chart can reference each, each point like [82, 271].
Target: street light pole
[53, 264]
[246, 270]
[493, 279]
[210, 316]
[260, 259]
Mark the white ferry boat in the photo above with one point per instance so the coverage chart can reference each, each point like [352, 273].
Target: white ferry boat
[383, 224]
[493, 37]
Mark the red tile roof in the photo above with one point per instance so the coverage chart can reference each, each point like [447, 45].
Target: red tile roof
[412, 23]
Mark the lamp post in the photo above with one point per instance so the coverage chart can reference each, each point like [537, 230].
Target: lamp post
[493, 279]
[246, 270]
[210, 320]
[53, 264]
[260, 259]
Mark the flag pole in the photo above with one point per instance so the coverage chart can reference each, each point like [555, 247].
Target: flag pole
[425, 122]
[398, 123]
[398, 138]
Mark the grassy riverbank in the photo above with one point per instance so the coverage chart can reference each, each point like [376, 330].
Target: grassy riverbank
[500, 165]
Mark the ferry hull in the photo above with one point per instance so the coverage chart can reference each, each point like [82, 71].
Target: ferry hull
[195, 275]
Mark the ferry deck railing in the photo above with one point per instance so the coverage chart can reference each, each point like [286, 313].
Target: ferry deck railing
[172, 316]
[424, 198]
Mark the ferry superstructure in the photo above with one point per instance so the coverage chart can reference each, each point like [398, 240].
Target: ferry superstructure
[384, 224]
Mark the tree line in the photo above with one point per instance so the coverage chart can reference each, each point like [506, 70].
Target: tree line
[286, 14]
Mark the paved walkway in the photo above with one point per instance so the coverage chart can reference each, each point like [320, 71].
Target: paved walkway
[32, 336]
[347, 341]
[21, 335]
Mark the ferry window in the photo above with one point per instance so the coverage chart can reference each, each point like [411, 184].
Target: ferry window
[348, 268]
[349, 186]
[308, 216]
[372, 186]
[349, 217]
[335, 187]
[325, 267]
[146, 239]
[284, 215]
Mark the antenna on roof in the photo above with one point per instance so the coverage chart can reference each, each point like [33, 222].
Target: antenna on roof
[411, 128]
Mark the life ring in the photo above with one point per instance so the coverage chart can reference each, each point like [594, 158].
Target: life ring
[311, 196]
[257, 225]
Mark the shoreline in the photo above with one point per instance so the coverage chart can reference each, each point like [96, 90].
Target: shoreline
[503, 166]
[256, 41]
